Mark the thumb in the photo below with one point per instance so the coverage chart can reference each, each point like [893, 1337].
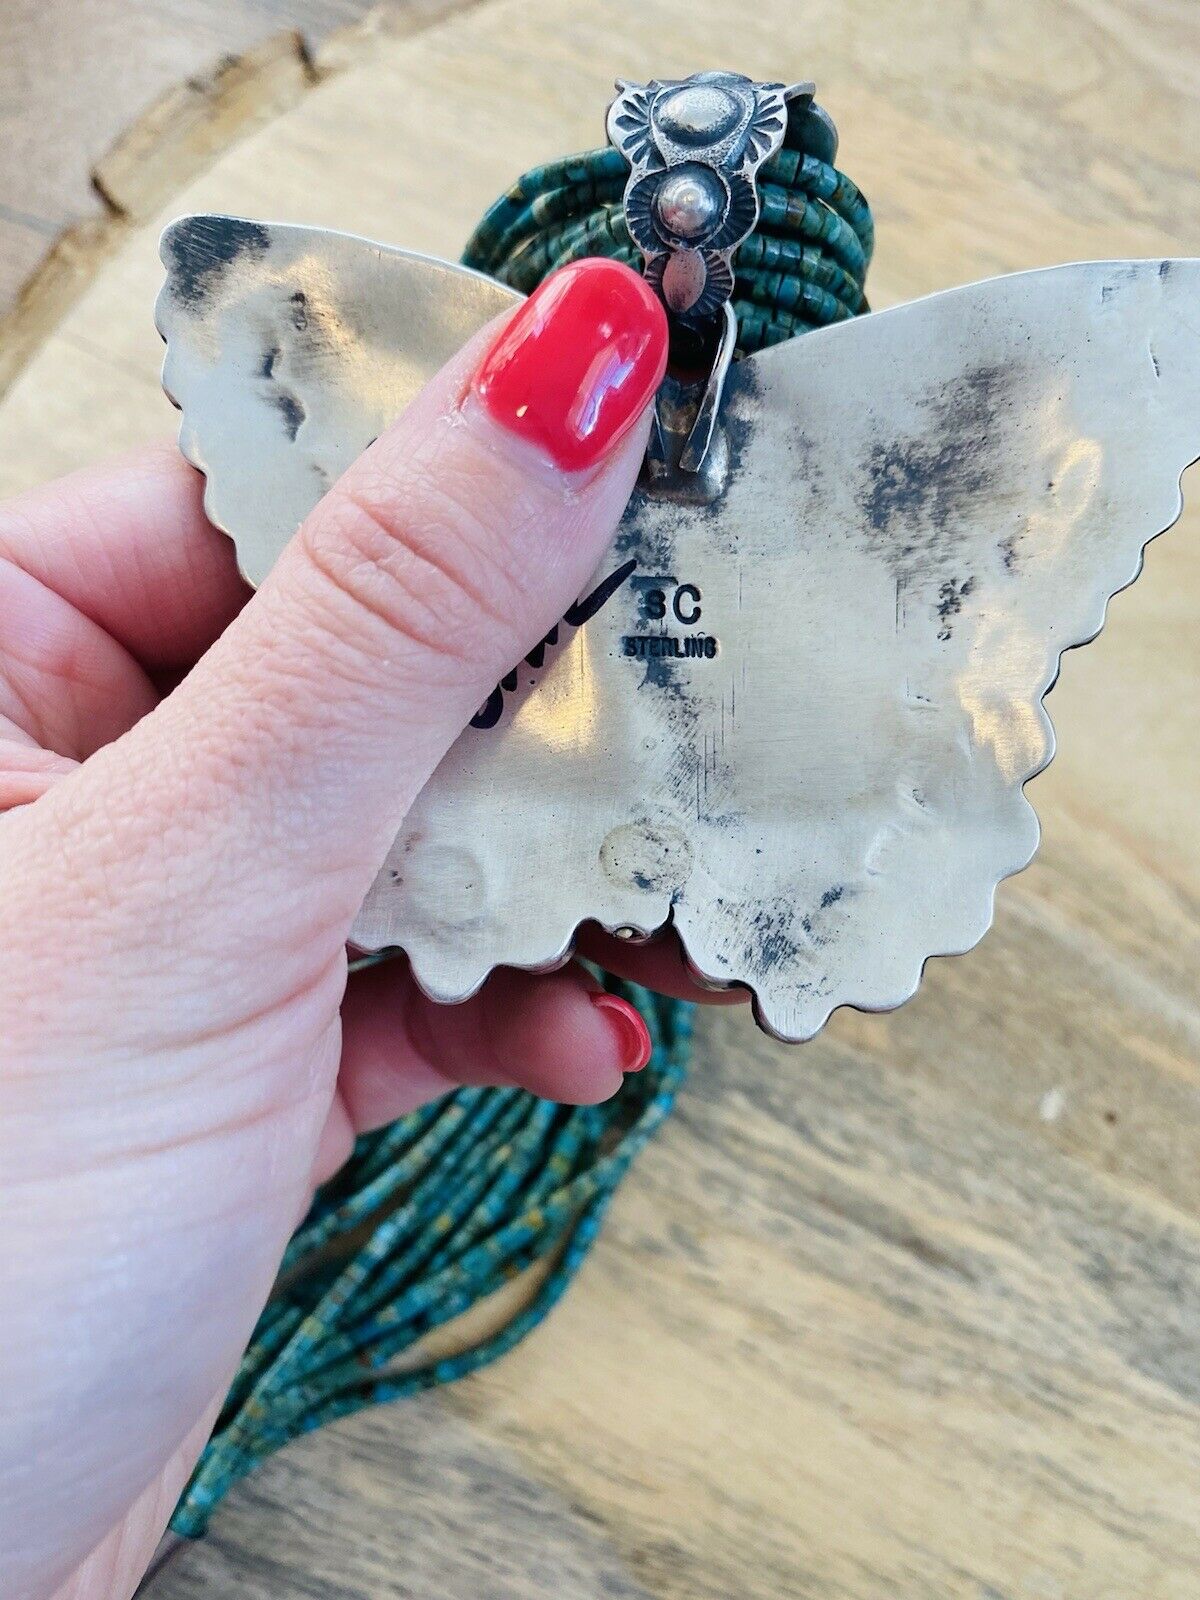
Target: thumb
[425, 574]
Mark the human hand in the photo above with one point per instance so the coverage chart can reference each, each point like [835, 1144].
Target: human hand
[183, 1058]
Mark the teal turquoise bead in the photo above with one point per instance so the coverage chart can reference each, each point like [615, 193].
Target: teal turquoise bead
[777, 291]
[538, 214]
[585, 176]
[792, 169]
[806, 262]
[795, 214]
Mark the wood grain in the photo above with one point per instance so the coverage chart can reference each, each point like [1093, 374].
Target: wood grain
[60, 109]
[915, 1309]
[74, 75]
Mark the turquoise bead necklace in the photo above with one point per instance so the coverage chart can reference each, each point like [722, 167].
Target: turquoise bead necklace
[458, 1199]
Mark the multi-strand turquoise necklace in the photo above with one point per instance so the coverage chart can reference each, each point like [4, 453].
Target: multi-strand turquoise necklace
[454, 1201]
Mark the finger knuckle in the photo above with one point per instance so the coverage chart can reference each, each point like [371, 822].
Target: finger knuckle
[415, 561]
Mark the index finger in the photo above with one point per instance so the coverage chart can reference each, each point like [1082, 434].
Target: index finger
[656, 964]
[129, 546]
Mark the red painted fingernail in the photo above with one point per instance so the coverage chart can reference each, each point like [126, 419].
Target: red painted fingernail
[630, 1028]
[577, 364]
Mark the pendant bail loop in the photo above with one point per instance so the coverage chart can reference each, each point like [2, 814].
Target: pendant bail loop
[694, 147]
[687, 458]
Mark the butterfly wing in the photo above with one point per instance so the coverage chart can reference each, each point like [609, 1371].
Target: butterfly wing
[800, 724]
[800, 727]
[288, 350]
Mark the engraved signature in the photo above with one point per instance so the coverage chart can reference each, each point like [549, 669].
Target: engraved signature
[491, 710]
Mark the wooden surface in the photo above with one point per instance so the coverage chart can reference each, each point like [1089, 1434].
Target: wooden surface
[108, 106]
[75, 73]
[912, 1311]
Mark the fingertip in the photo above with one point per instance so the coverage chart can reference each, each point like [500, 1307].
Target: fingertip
[551, 1037]
[629, 1029]
[576, 365]
[658, 964]
[558, 1035]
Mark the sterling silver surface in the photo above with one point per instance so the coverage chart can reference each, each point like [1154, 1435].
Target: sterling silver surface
[694, 146]
[799, 722]
[289, 350]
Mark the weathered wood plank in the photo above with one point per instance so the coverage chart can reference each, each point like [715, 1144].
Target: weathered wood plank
[73, 79]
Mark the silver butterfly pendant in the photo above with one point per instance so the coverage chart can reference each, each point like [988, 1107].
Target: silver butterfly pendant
[793, 715]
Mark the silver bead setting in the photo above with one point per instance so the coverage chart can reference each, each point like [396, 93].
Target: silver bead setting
[699, 113]
[690, 201]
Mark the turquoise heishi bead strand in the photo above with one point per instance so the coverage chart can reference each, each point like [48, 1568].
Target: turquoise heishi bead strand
[431, 1215]
[454, 1201]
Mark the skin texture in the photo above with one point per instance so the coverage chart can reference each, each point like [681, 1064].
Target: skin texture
[197, 788]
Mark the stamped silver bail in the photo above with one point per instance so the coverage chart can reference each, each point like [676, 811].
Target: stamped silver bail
[694, 147]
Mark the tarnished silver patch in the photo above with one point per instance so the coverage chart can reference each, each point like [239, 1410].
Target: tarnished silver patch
[794, 722]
